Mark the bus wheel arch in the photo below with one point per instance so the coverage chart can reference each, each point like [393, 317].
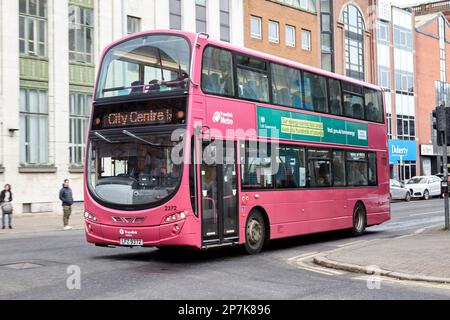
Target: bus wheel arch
[359, 218]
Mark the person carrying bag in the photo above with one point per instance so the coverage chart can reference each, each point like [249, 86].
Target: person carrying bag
[6, 199]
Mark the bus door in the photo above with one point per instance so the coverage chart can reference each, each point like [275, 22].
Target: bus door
[219, 193]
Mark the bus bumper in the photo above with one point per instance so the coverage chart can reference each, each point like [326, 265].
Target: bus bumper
[175, 234]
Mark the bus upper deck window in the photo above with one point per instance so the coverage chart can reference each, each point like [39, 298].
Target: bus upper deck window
[217, 74]
[373, 106]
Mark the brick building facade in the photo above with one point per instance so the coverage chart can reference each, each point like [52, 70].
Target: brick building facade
[333, 35]
[433, 67]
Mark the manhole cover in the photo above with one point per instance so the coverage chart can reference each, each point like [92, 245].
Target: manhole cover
[22, 266]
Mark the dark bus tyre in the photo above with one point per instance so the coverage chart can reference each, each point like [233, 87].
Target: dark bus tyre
[255, 233]
[359, 220]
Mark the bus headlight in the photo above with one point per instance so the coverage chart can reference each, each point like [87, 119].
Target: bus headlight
[172, 218]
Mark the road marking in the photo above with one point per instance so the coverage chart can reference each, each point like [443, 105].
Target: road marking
[349, 244]
[403, 237]
[417, 232]
[425, 213]
[299, 262]
[304, 256]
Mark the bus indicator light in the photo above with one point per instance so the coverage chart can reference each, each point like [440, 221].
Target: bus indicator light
[181, 115]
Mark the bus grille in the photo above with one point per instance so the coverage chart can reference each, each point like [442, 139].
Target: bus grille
[131, 220]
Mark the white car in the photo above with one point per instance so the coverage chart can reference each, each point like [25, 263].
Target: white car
[399, 191]
[425, 187]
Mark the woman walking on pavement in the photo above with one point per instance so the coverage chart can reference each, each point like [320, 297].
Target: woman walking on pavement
[6, 198]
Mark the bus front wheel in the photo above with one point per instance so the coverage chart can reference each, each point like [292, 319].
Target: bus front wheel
[359, 220]
[255, 233]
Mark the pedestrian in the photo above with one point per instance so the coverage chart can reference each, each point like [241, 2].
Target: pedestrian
[66, 197]
[6, 198]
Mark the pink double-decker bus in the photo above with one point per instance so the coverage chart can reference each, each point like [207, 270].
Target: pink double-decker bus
[197, 143]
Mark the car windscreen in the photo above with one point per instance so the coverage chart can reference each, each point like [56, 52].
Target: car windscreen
[418, 181]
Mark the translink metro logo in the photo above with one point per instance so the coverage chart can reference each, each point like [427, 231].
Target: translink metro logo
[226, 118]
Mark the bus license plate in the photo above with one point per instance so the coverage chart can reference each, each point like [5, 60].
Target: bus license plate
[132, 242]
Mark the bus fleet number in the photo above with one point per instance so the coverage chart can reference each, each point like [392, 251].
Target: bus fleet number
[171, 208]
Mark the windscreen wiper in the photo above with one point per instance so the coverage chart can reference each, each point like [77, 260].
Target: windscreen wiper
[128, 133]
[98, 135]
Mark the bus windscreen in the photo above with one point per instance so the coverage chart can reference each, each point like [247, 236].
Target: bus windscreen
[145, 65]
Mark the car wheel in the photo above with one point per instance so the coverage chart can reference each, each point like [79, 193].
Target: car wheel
[408, 197]
[426, 195]
[255, 233]
[390, 197]
[359, 220]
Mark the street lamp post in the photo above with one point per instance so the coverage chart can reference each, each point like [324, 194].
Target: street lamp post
[446, 195]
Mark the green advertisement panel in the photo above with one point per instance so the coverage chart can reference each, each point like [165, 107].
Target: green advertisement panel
[302, 127]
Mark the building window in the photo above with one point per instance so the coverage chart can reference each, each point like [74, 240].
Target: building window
[81, 31]
[383, 33]
[407, 170]
[274, 32]
[256, 27]
[133, 25]
[406, 129]
[384, 77]
[290, 36]
[306, 40]
[79, 118]
[389, 125]
[175, 14]
[33, 27]
[402, 38]
[307, 5]
[326, 29]
[354, 42]
[33, 126]
[404, 81]
[225, 20]
[200, 11]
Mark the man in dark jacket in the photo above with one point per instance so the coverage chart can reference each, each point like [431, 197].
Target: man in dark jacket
[66, 197]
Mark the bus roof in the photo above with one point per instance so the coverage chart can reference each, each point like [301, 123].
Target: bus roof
[191, 36]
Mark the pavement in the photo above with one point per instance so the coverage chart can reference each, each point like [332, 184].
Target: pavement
[421, 256]
[43, 222]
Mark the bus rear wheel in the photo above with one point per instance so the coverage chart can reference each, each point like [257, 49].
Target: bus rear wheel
[255, 233]
[359, 220]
